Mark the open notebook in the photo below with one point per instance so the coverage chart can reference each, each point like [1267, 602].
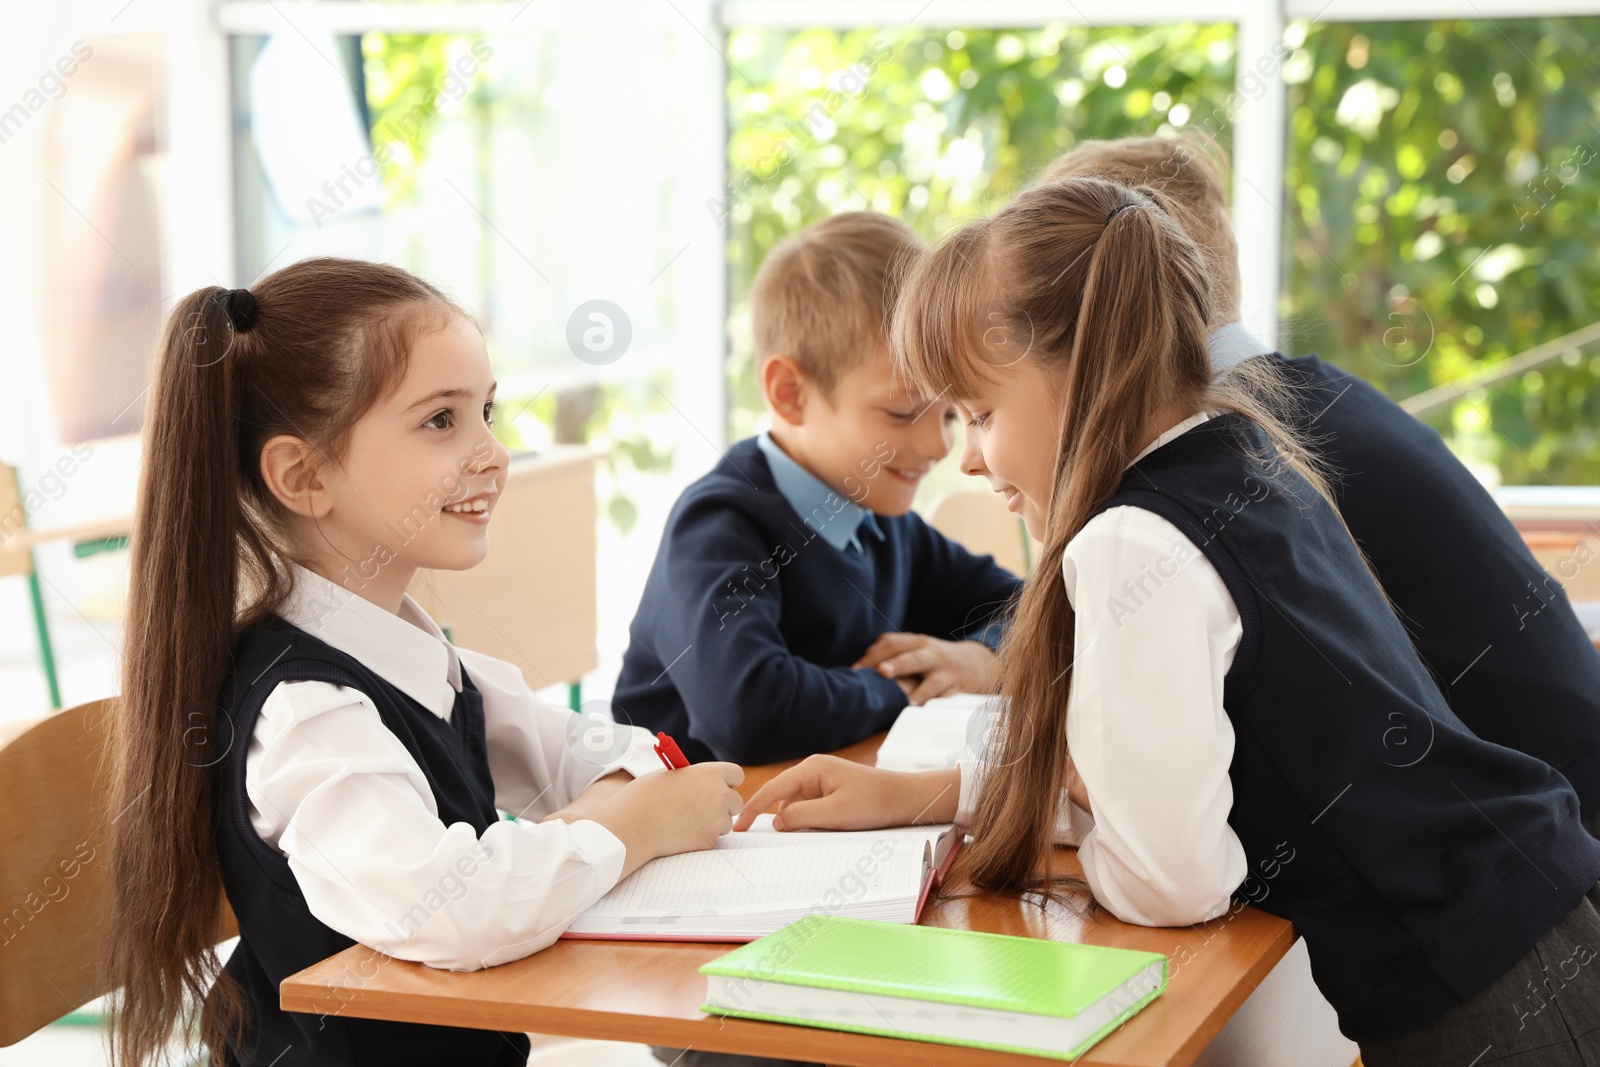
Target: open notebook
[758, 881]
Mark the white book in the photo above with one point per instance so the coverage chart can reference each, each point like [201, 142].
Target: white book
[935, 735]
[759, 880]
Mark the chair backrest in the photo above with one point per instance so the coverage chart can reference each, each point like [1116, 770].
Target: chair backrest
[14, 555]
[978, 520]
[54, 884]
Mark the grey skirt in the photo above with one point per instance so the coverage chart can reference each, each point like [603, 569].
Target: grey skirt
[1545, 1010]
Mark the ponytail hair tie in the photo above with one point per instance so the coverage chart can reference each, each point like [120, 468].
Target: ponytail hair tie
[1117, 209]
[240, 305]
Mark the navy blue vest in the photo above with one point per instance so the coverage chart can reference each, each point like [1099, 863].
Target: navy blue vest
[278, 935]
[1496, 631]
[1418, 860]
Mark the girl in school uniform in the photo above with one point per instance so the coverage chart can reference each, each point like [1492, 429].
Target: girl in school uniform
[295, 732]
[1206, 690]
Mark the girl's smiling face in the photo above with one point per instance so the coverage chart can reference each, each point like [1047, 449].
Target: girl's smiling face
[418, 483]
[1013, 437]
[429, 466]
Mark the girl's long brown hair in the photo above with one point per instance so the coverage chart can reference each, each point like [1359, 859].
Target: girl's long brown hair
[331, 338]
[1119, 310]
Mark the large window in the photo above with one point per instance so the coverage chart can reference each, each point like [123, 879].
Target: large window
[435, 152]
[1417, 187]
[1432, 194]
[512, 167]
[1442, 178]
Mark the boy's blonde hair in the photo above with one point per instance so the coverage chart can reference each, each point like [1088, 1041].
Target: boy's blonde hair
[824, 296]
[1190, 172]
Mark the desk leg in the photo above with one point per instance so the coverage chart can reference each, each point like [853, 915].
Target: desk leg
[42, 625]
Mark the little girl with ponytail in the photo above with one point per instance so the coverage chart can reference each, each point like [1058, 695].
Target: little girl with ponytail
[295, 735]
[1204, 688]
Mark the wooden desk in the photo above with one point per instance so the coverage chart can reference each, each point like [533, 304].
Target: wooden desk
[651, 992]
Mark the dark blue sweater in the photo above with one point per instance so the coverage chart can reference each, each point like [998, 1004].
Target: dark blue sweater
[1496, 631]
[742, 644]
[1418, 860]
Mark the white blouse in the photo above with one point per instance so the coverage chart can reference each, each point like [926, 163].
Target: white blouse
[337, 793]
[1155, 633]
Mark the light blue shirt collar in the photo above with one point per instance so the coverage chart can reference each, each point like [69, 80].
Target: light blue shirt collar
[1231, 345]
[821, 507]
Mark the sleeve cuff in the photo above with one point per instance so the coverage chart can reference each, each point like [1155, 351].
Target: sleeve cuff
[640, 757]
[971, 782]
[604, 850]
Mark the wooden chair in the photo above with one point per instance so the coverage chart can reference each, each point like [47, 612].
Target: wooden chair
[54, 885]
[978, 520]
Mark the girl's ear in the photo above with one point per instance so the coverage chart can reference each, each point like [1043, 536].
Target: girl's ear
[289, 467]
[786, 387]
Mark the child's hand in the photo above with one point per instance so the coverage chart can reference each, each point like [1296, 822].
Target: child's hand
[829, 793]
[674, 811]
[939, 667]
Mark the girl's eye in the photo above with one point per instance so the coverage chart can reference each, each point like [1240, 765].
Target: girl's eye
[979, 421]
[488, 412]
[903, 416]
[432, 423]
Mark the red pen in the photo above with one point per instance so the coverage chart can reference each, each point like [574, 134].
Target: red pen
[670, 753]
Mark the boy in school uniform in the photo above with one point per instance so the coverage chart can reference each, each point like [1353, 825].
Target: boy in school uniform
[1495, 630]
[796, 604]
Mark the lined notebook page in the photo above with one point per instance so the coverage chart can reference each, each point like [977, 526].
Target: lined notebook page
[763, 869]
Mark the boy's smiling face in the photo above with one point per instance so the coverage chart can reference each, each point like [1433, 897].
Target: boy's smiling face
[872, 441]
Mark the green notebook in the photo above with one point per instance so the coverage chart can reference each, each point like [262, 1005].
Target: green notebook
[955, 987]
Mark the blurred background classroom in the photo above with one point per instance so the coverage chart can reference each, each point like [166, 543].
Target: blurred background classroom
[1414, 188]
